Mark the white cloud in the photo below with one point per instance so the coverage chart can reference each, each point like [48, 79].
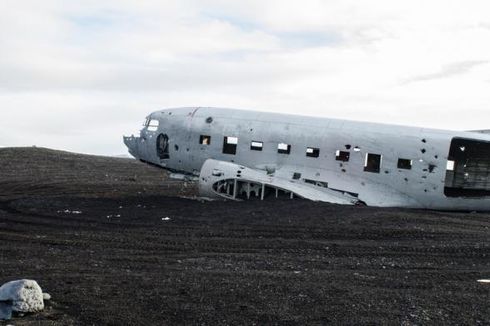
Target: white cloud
[77, 75]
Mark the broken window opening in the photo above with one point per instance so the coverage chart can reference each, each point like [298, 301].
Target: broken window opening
[153, 125]
[296, 176]
[372, 163]
[162, 147]
[283, 148]
[205, 140]
[405, 164]
[256, 145]
[342, 156]
[229, 145]
[312, 152]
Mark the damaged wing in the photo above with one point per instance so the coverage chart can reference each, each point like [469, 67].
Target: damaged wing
[220, 179]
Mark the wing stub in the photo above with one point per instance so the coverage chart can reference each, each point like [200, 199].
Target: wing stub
[225, 180]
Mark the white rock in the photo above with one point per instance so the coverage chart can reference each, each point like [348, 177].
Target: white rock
[46, 296]
[26, 295]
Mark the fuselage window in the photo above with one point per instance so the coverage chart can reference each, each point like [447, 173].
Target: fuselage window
[256, 145]
[283, 148]
[153, 125]
[342, 156]
[312, 152]
[372, 163]
[162, 147]
[205, 140]
[229, 145]
[404, 164]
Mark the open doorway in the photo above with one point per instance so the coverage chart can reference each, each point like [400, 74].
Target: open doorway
[468, 168]
[162, 147]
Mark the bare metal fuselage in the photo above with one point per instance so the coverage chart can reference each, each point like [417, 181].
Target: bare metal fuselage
[376, 164]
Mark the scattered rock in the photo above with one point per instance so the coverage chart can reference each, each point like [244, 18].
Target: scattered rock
[67, 211]
[46, 296]
[25, 295]
[5, 310]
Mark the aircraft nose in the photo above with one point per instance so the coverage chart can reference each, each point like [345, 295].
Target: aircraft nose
[131, 143]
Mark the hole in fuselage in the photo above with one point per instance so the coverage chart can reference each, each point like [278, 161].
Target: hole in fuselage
[468, 168]
[162, 147]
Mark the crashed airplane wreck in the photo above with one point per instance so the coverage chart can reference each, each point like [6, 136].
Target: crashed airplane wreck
[241, 155]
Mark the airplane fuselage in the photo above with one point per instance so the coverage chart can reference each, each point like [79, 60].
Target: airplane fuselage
[382, 165]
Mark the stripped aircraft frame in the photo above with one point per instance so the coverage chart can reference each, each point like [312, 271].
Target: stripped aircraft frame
[241, 154]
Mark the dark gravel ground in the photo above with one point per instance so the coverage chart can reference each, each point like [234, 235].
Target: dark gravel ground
[126, 250]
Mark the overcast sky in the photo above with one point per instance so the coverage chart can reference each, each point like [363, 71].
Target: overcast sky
[77, 75]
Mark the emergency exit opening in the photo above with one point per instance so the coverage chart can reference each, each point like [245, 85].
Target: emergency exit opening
[468, 168]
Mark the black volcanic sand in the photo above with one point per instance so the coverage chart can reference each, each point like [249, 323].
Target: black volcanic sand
[124, 249]
[28, 172]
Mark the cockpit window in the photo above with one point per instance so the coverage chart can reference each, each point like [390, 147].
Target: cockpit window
[153, 125]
